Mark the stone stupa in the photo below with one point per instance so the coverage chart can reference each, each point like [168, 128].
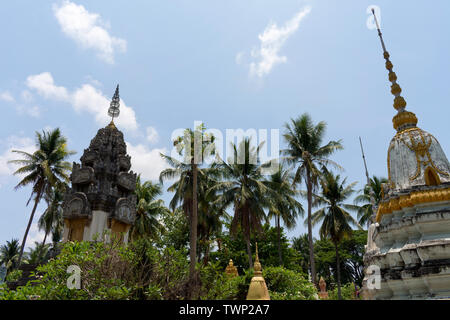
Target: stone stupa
[409, 239]
[101, 200]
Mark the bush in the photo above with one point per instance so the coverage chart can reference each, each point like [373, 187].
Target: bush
[14, 275]
[285, 284]
[109, 271]
[347, 292]
[141, 270]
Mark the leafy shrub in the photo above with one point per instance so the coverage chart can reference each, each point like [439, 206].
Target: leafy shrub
[347, 292]
[285, 284]
[14, 275]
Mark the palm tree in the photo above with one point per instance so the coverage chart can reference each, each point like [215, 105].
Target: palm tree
[244, 188]
[365, 211]
[148, 210]
[9, 253]
[334, 215]
[306, 152]
[52, 217]
[43, 169]
[285, 206]
[209, 215]
[39, 254]
[194, 146]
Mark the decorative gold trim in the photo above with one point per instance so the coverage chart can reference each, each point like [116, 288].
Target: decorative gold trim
[412, 199]
[421, 150]
[402, 118]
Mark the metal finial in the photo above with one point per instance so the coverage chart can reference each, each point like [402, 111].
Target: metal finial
[379, 30]
[399, 101]
[113, 110]
[371, 193]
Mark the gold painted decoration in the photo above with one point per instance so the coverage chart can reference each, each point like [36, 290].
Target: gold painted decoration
[412, 199]
[231, 270]
[403, 118]
[258, 288]
[421, 150]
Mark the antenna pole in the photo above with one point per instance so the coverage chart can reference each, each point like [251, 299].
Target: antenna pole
[371, 193]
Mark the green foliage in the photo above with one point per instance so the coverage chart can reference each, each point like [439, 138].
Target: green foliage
[216, 285]
[9, 253]
[177, 234]
[234, 247]
[347, 292]
[351, 252]
[14, 275]
[109, 271]
[284, 284]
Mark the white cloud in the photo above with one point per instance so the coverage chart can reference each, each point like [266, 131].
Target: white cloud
[239, 57]
[43, 83]
[6, 96]
[271, 42]
[87, 98]
[88, 30]
[147, 162]
[35, 235]
[90, 99]
[152, 135]
[9, 144]
[33, 111]
[26, 96]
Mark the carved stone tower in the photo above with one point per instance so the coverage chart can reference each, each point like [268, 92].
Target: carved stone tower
[102, 194]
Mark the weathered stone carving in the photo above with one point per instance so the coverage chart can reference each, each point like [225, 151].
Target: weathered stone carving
[76, 205]
[125, 211]
[124, 162]
[102, 182]
[82, 175]
[127, 180]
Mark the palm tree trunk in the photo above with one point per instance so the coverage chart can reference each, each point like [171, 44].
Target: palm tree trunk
[30, 221]
[312, 264]
[338, 271]
[45, 238]
[249, 253]
[206, 257]
[279, 241]
[193, 240]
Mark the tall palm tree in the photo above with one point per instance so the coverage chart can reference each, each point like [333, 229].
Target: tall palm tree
[52, 217]
[244, 188]
[43, 169]
[306, 152]
[209, 215]
[9, 253]
[285, 206]
[195, 146]
[334, 215]
[38, 254]
[148, 210]
[365, 211]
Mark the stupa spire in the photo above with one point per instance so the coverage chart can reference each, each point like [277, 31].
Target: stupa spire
[403, 119]
[114, 110]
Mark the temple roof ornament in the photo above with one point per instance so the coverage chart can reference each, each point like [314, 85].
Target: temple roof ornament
[415, 158]
[114, 110]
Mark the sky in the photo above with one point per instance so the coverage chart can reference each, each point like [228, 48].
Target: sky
[231, 64]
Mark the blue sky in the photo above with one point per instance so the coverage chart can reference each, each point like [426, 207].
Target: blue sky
[231, 64]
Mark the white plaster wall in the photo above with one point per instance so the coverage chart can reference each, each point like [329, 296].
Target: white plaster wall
[403, 162]
[98, 225]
